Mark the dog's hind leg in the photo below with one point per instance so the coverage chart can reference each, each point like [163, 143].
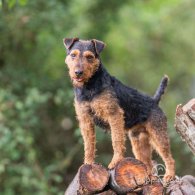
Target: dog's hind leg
[157, 130]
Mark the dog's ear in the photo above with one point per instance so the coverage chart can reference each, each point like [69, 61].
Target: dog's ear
[68, 42]
[99, 45]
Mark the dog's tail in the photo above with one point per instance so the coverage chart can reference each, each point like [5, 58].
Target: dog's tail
[161, 89]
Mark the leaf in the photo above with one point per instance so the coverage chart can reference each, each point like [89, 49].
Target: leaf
[23, 2]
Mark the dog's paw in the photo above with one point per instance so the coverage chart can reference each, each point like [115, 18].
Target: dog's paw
[168, 178]
[114, 161]
[152, 178]
[89, 162]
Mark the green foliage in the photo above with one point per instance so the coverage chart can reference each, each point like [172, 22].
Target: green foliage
[40, 143]
[11, 3]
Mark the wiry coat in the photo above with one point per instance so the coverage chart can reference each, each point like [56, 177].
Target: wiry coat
[136, 106]
[101, 99]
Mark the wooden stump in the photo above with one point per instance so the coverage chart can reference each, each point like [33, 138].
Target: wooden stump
[128, 175]
[90, 179]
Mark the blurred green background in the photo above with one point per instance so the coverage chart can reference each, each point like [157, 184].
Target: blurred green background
[40, 143]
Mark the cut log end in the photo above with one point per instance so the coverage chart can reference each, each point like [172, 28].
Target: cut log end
[93, 177]
[90, 179]
[128, 175]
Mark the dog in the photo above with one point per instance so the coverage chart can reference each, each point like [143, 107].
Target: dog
[102, 100]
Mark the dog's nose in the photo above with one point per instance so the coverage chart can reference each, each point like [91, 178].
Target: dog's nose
[78, 72]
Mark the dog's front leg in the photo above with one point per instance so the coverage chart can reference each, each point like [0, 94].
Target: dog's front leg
[116, 121]
[87, 131]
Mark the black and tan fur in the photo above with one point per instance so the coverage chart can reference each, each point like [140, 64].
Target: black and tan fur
[101, 99]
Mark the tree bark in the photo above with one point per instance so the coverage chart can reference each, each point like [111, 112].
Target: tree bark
[185, 123]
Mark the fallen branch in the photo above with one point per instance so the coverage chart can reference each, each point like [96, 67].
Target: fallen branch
[185, 123]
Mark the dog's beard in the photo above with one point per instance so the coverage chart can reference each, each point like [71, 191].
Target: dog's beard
[88, 74]
[77, 83]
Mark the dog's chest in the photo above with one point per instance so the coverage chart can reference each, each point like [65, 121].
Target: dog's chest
[101, 107]
[99, 114]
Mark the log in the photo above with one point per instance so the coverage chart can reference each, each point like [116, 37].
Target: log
[182, 186]
[153, 189]
[128, 175]
[185, 123]
[108, 192]
[90, 179]
[189, 108]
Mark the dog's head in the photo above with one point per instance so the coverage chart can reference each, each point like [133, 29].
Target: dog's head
[82, 59]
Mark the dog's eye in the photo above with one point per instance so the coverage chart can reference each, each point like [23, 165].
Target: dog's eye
[73, 55]
[89, 57]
